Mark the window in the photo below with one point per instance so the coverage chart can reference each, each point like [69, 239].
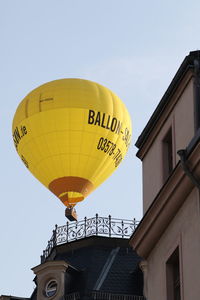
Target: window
[51, 288]
[167, 155]
[173, 276]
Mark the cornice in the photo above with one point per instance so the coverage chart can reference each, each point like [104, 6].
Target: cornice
[172, 100]
[59, 264]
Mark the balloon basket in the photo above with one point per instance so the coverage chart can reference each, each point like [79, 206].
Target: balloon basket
[70, 214]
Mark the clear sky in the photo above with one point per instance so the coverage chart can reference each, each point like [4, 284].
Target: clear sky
[132, 47]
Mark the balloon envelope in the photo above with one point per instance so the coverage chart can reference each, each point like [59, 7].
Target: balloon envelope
[71, 134]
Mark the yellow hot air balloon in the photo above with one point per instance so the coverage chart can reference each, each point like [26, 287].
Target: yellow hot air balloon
[71, 134]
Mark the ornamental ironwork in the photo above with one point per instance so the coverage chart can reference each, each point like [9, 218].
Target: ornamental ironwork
[101, 295]
[97, 226]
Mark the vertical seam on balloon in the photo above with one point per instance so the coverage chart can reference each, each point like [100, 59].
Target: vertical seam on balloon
[121, 117]
[58, 145]
[47, 145]
[81, 139]
[39, 102]
[41, 121]
[86, 163]
[26, 107]
[69, 115]
[67, 165]
[62, 165]
[78, 154]
[108, 158]
[95, 134]
[102, 164]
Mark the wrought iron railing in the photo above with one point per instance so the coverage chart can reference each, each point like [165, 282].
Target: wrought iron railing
[99, 226]
[100, 295]
[73, 296]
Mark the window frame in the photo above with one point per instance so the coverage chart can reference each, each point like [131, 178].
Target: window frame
[47, 285]
[173, 275]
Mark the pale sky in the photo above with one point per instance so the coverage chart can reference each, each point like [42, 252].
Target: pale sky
[132, 47]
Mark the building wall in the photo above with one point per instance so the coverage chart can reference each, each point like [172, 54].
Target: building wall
[181, 120]
[184, 119]
[152, 168]
[183, 231]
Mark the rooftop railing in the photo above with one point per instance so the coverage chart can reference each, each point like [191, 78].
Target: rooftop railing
[99, 295]
[97, 226]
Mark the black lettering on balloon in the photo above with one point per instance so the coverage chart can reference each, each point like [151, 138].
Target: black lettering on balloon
[91, 117]
[105, 121]
[113, 124]
[98, 119]
[18, 134]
